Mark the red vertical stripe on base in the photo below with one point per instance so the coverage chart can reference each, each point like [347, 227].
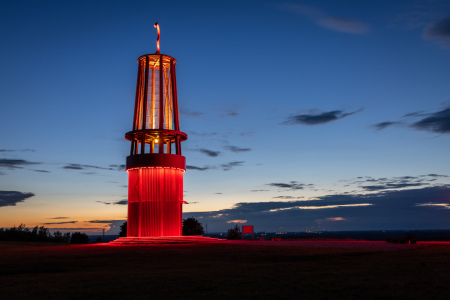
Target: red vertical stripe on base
[155, 197]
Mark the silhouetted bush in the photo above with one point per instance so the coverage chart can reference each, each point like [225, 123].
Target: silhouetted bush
[192, 227]
[123, 230]
[79, 238]
[234, 233]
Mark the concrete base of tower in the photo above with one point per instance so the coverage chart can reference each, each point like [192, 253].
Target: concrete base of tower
[165, 240]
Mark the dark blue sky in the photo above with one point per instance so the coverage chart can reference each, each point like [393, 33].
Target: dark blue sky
[305, 111]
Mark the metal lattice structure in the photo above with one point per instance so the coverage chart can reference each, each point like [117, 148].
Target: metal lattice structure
[155, 165]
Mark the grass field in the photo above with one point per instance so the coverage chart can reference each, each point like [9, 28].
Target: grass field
[224, 271]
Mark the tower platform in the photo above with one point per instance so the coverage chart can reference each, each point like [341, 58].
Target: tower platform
[165, 240]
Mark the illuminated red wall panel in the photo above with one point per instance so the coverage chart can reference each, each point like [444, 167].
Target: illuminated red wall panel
[155, 165]
[155, 198]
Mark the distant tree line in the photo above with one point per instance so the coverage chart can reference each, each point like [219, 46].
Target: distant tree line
[41, 234]
[191, 226]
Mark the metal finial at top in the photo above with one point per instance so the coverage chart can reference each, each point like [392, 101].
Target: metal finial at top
[157, 39]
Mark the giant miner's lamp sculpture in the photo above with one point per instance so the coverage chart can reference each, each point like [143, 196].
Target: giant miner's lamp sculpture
[155, 166]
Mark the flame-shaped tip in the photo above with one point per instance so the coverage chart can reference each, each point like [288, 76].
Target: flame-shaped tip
[157, 39]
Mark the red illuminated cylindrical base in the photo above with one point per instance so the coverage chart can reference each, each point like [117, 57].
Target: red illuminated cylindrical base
[155, 198]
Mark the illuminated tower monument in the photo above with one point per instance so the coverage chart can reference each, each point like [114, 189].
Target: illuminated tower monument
[155, 166]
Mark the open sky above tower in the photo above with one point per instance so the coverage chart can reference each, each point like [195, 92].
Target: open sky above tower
[331, 115]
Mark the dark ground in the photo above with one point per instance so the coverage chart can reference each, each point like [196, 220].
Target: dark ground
[223, 271]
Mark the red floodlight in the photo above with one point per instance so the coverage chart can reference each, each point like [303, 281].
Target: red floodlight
[155, 166]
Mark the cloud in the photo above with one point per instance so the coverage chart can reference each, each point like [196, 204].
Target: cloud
[384, 125]
[58, 223]
[78, 167]
[117, 167]
[203, 134]
[259, 190]
[414, 114]
[42, 171]
[189, 167]
[11, 198]
[400, 182]
[293, 185]
[15, 163]
[23, 150]
[332, 219]
[344, 25]
[315, 207]
[438, 122]
[420, 208]
[247, 133]
[237, 221]
[210, 153]
[119, 202]
[287, 197]
[231, 165]
[224, 167]
[230, 111]
[334, 23]
[190, 113]
[438, 205]
[59, 218]
[103, 221]
[104, 202]
[316, 119]
[434, 175]
[439, 32]
[390, 186]
[335, 219]
[237, 149]
[87, 167]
